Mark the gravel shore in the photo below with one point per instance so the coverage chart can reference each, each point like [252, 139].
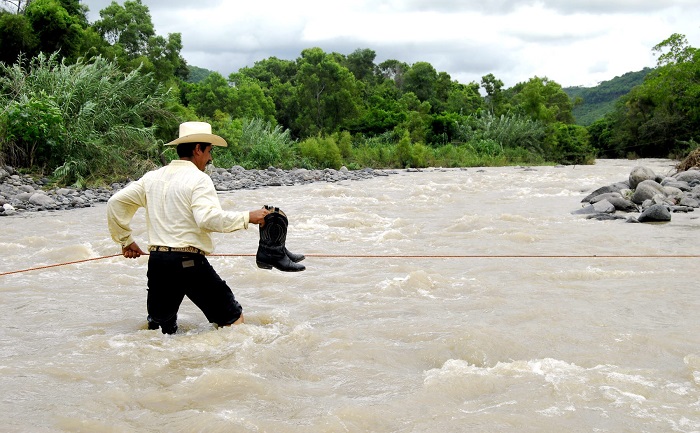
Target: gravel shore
[22, 193]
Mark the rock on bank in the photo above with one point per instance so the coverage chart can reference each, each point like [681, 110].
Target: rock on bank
[653, 197]
[22, 193]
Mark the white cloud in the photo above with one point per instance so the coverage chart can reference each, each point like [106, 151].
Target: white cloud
[571, 42]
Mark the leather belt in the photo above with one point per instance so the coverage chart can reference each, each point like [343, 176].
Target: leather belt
[163, 249]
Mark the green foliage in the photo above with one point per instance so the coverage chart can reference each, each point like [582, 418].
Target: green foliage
[130, 39]
[212, 94]
[494, 93]
[403, 151]
[509, 131]
[487, 147]
[321, 152]
[16, 36]
[569, 145]
[327, 94]
[361, 64]
[321, 110]
[344, 141]
[676, 50]
[658, 116]
[128, 25]
[420, 80]
[197, 74]
[255, 143]
[34, 129]
[55, 28]
[542, 99]
[96, 121]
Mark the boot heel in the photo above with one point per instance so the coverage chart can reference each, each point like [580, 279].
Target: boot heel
[263, 265]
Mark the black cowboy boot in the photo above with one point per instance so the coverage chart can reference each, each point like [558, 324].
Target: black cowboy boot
[296, 258]
[271, 249]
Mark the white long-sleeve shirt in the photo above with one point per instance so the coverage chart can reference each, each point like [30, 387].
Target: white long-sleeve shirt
[182, 208]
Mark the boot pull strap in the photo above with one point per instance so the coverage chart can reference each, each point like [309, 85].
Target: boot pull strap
[274, 209]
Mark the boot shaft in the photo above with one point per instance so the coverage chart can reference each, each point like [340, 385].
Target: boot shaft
[271, 247]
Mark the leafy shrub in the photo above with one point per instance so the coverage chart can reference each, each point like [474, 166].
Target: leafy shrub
[569, 144]
[321, 152]
[34, 127]
[487, 147]
[96, 122]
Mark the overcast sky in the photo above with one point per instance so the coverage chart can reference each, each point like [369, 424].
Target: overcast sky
[573, 42]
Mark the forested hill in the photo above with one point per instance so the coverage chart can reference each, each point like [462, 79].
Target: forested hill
[197, 74]
[600, 100]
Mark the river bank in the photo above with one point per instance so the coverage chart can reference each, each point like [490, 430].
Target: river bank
[21, 193]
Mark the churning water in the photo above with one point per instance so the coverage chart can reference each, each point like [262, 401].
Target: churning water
[484, 343]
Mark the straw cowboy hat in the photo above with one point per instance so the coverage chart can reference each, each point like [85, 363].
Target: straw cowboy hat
[197, 132]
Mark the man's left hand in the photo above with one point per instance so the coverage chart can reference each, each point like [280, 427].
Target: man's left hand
[132, 251]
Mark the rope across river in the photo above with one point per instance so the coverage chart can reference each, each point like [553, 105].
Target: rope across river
[405, 256]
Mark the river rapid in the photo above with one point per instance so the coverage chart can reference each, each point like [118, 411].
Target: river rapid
[499, 330]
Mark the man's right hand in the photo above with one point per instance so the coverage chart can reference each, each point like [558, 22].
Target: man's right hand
[258, 216]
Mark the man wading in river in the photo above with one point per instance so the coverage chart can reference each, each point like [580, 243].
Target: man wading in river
[182, 209]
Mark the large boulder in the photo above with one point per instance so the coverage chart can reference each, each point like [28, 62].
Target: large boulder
[601, 207]
[646, 190]
[672, 182]
[623, 205]
[639, 174]
[42, 200]
[614, 188]
[688, 176]
[655, 213]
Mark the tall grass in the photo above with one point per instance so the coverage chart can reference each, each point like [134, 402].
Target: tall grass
[493, 134]
[255, 143]
[84, 122]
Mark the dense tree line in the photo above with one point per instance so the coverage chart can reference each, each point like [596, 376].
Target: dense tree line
[661, 116]
[319, 110]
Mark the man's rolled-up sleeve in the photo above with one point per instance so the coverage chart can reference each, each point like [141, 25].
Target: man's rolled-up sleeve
[121, 208]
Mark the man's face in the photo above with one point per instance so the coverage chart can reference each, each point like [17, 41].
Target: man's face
[200, 157]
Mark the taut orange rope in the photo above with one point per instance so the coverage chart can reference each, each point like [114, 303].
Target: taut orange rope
[409, 256]
[2, 274]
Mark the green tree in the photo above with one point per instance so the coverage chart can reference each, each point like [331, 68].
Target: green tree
[494, 93]
[418, 119]
[275, 78]
[16, 36]
[421, 80]
[129, 30]
[464, 99]
[383, 111]
[569, 144]
[361, 64]
[321, 151]
[544, 100]
[213, 94]
[271, 71]
[327, 94]
[395, 71]
[674, 50]
[662, 115]
[55, 28]
[129, 25]
[249, 99]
